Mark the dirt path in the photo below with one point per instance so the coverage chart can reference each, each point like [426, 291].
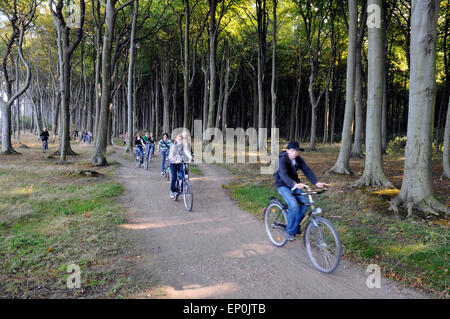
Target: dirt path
[220, 251]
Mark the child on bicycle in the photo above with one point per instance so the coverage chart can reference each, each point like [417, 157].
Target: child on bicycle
[164, 148]
[139, 143]
[178, 153]
[149, 143]
[286, 179]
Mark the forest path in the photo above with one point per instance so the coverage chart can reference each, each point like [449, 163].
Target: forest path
[220, 251]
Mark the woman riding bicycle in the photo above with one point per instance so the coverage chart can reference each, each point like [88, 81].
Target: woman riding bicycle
[178, 154]
[286, 179]
[139, 143]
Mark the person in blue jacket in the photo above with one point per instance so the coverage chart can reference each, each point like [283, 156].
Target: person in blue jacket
[286, 179]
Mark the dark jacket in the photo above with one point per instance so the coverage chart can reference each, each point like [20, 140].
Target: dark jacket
[286, 175]
[139, 142]
[44, 136]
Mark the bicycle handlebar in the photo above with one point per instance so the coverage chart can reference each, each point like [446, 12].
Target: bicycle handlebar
[310, 191]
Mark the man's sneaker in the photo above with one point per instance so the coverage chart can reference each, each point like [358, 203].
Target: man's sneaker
[289, 237]
[172, 195]
[162, 173]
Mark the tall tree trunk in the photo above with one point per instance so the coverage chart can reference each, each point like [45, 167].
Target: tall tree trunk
[186, 66]
[359, 113]
[342, 165]
[446, 155]
[417, 186]
[212, 63]
[165, 86]
[130, 142]
[373, 171]
[274, 51]
[261, 14]
[205, 69]
[99, 156]
[156, 117]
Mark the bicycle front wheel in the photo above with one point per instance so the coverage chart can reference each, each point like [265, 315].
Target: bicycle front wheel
[275, 220]
[138, 161]
[146, 163]
[187, 196]
[323, 245]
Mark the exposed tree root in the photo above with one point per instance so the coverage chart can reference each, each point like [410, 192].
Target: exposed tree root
[426, 205]
[87, 173]
[370, 179]
[340, 170]
[10, 151]
[69, 152]
[358, 154]
[99, 160]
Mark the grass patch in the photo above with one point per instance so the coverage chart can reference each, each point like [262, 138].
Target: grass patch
[195, 170]
[50, 220]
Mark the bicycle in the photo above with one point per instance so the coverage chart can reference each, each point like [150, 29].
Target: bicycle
[184, 188]
[321, 239]
[139, 157]
[148, 157]
[167, 168]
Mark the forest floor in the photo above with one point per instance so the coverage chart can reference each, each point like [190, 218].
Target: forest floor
[130, 240]
[52, 217]
[413, 252]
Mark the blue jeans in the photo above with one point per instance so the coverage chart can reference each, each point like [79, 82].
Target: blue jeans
[174, 169]
[149, 148]
[45, 145]
[296, 212]
[163, 159]
[139, 151]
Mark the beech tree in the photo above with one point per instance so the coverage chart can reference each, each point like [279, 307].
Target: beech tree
[342, 165]
[373, 171]
[19, 22]
[417, 186]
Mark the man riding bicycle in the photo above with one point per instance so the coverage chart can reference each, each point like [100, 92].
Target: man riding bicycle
[286, 179]
[44, 138]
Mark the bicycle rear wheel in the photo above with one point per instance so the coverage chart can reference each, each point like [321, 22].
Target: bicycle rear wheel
[138, 161]
[275, 220]
[323, 245]
[188, 196]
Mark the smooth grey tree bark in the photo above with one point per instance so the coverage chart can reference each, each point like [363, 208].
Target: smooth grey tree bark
[357, 150]
[274, 53]
[99, 156]
[66, 50]
[373, 170]
[5, 106]
[417, 186]
[446, 155]
[342, 165]
[130, 142]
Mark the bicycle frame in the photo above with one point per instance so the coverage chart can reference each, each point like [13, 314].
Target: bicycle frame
[312, 210]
